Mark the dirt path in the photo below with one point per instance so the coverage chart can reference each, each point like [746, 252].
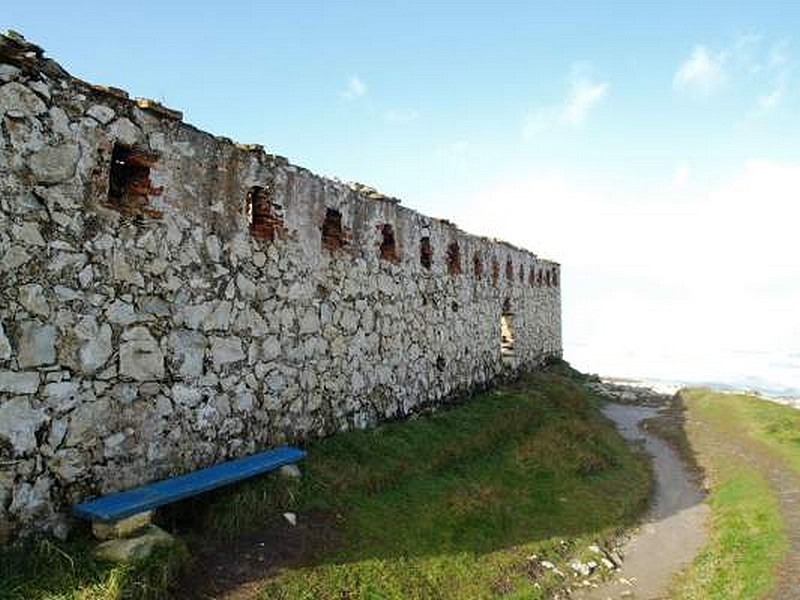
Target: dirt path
[673, 530]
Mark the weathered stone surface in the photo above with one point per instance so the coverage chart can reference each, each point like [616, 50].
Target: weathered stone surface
[102, 114]
[29, 234]
[15, 382]
[226, 350]
[96, 347]
[19, 423]
[122, 313]
[67, 464]
[188, 329]
[188, 352]
[125, 132]
[62, 396]
[140, 356]
[15, 257]
[32, 501]
[134, 548]
[16, 97]
[37, 344]
[41, 88]
[122, 528]
[5, 344]
[7, 73]
[88, 419]
[33, 300]
[54, 164]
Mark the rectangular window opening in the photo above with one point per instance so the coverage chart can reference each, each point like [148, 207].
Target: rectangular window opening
[129, 185]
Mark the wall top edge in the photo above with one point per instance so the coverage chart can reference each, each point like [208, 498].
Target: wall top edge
[30, 58]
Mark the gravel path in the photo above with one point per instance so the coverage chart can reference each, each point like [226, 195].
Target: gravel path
[673, 530]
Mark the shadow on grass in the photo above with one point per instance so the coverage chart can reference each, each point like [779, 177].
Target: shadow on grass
[529, 464]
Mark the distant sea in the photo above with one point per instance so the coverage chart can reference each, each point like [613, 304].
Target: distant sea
[770, 373]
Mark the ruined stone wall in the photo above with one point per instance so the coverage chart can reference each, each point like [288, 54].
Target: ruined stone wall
[170, 299]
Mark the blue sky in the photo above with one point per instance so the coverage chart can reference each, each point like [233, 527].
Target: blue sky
[652, 148]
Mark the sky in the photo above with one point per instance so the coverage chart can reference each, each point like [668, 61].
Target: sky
[653, 149]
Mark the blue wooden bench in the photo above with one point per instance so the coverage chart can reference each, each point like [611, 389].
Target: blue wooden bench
[120, 505]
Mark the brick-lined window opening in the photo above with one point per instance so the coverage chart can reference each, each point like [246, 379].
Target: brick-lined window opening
[532, 277]
[507, 333]
[539, 278]
[263, 216]
[453, 258]
[388, 245]
[547, 279]
[509, 270]
[477, 266]
[495, 272]
[332, 237]
[425, 252]
[129, 185]
[521, 274]
[555, 278]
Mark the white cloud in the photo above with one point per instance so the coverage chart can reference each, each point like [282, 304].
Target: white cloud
[356, 88]
[673, 285]
[681, 177]
[702, 74]
[400, 115]
[584, 94]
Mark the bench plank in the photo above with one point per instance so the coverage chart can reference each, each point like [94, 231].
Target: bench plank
[120, 505]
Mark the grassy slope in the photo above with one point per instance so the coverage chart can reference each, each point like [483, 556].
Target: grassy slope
[451, 505]
[748, 541]
[442, 506]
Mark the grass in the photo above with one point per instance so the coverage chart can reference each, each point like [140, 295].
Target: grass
[747, 538]
[446, 505]
[45, 569]
[451, 505]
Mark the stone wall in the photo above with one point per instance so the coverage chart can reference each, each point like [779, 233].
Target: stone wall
[170, 299]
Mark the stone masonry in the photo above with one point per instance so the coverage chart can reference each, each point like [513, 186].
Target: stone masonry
[170, 299]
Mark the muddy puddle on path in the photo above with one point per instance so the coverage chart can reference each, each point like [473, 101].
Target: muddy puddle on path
[673, 529]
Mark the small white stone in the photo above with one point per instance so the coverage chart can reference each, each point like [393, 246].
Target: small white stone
[291, 518]
[290, 471]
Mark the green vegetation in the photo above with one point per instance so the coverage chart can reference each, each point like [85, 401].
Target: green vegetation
[446, 505]
[748, 540]
[451, 505]
[51, 570]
